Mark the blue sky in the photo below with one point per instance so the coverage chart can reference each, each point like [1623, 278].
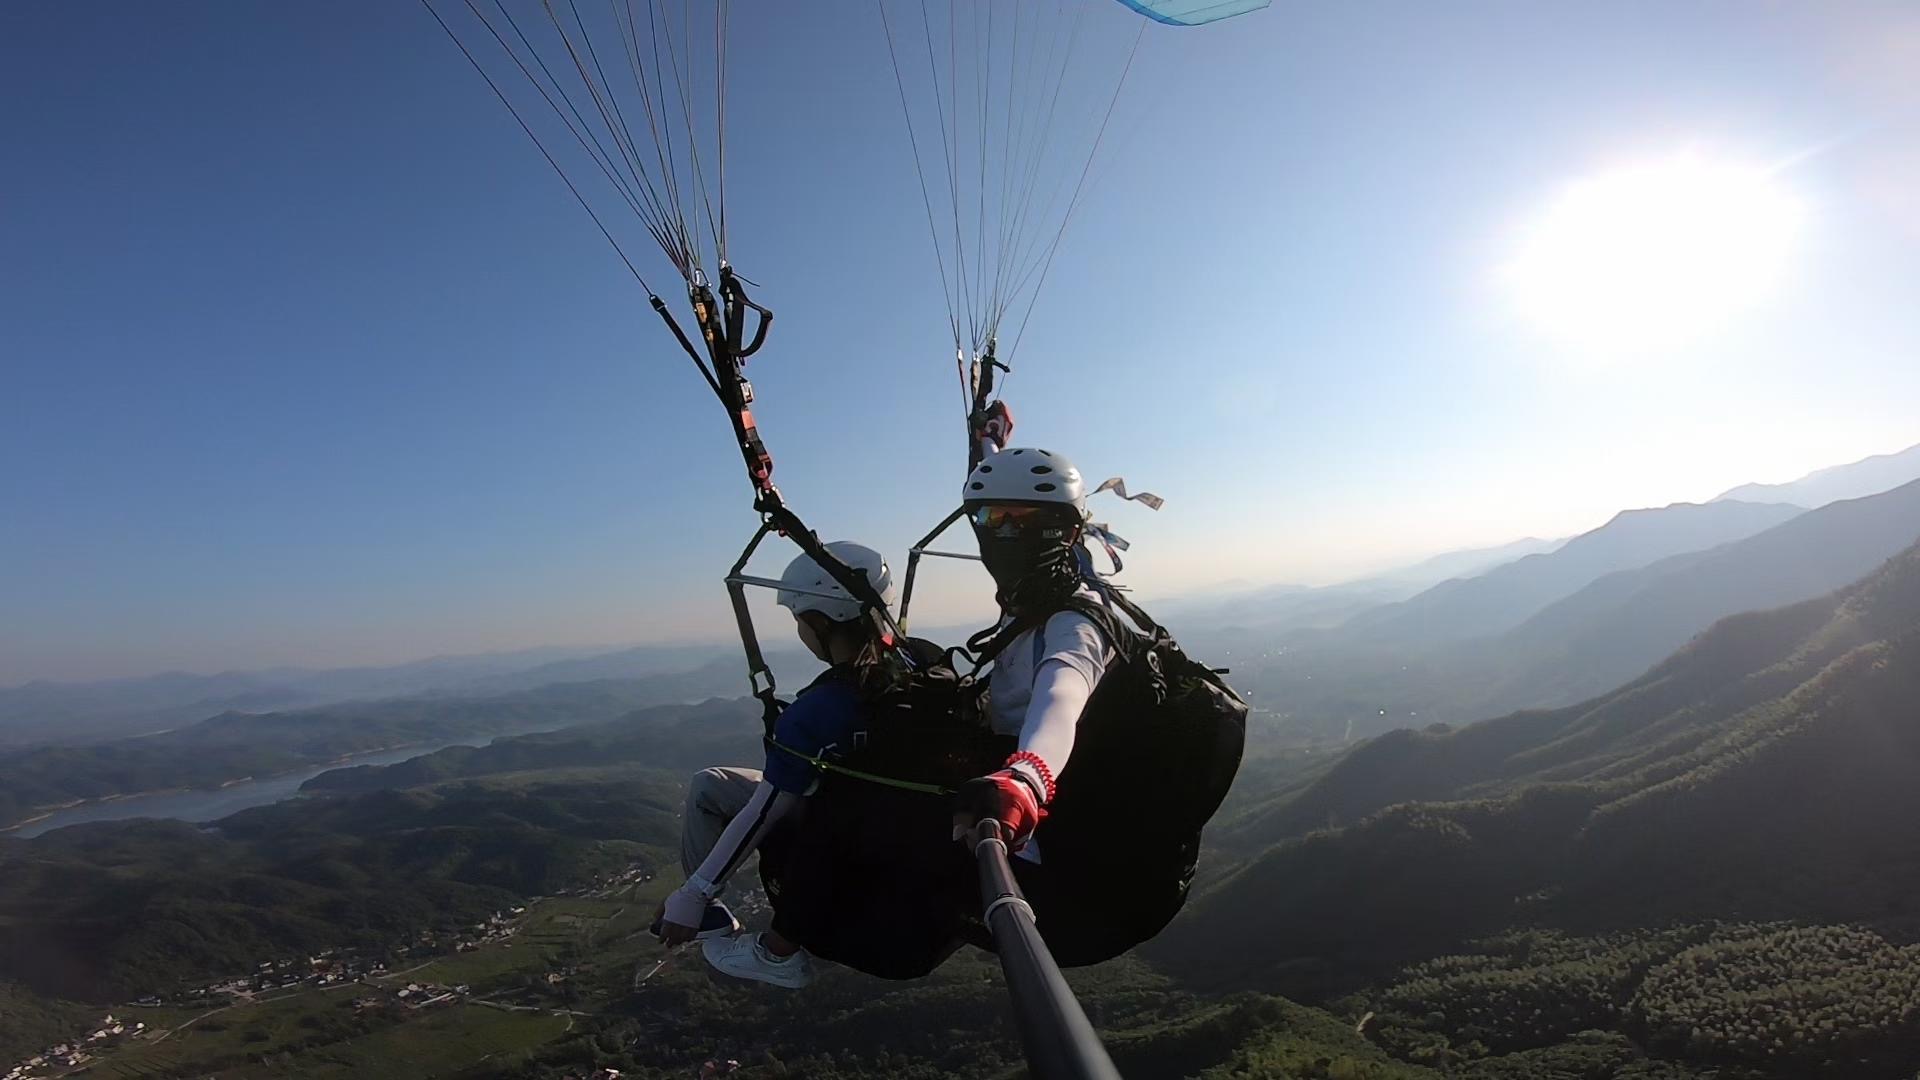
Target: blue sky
[309, 358]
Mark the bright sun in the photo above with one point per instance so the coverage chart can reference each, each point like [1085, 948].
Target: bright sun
[1653, 255]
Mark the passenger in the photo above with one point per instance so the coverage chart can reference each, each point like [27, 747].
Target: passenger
[730, 812]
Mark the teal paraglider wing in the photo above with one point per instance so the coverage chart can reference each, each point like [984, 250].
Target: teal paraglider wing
[1193, 12]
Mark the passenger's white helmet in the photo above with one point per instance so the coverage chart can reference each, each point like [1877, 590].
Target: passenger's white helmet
[1026, 475]
[806, 586]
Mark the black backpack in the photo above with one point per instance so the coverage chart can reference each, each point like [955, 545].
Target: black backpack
[924, 730]
[1160, 726]
[869, 876]
[1154, 755]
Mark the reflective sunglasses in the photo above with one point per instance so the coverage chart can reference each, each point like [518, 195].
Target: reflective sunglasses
[996, 518]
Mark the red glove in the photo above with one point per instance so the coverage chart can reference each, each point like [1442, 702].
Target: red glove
[996, 425]
[1007, 797]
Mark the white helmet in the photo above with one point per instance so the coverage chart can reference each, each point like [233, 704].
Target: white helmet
[806, 586]
[1028, 476]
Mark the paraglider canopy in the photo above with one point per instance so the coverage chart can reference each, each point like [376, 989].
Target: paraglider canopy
[1194, 12]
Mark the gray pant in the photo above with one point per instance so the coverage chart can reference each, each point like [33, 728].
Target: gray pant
[714, 798]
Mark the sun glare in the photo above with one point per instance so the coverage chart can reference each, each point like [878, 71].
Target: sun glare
[1653, 255]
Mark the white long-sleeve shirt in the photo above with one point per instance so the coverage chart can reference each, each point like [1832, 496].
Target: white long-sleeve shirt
[765, 809]
[1040, 684]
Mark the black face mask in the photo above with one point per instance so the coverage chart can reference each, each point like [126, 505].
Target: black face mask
[1031, 567]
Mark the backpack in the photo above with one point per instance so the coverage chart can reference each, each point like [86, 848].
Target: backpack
[868, 876]
[925, 730]
[1154, 755]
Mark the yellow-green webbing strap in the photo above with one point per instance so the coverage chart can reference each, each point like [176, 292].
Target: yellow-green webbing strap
[824, 765]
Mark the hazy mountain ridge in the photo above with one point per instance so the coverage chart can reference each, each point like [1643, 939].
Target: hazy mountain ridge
[40, 714]
[1353, 682]
[637, 662]
[1507, 595]
[45, 711]
[1623, 623]
[1470, 562]
[1868, 476]
[1269, 608]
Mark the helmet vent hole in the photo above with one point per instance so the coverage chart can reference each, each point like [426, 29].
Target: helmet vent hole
[986, 468]
[978, 486]
[1042, 470]
[1045, 487]
[1017, 453]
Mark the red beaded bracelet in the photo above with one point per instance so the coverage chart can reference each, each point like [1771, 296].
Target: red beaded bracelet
[1039, 766]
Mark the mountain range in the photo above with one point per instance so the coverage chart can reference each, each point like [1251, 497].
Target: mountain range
[1868, 476]
[1763, 772]
[1505, 596]
[1483, 591]
[1275, 608]
[1549, 629]
[1459, 564]
[1621, 624]
[113, 708]
[38, 713]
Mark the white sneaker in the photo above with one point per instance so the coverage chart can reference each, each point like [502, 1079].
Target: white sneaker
[743, 957]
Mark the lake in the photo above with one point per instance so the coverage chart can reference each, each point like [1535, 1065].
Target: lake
[213, 805]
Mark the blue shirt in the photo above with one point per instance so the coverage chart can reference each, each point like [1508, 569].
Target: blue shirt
[819, 723]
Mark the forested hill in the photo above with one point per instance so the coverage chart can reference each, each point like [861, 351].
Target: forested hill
[109, 910]
[679, 737]
[1766, 771]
